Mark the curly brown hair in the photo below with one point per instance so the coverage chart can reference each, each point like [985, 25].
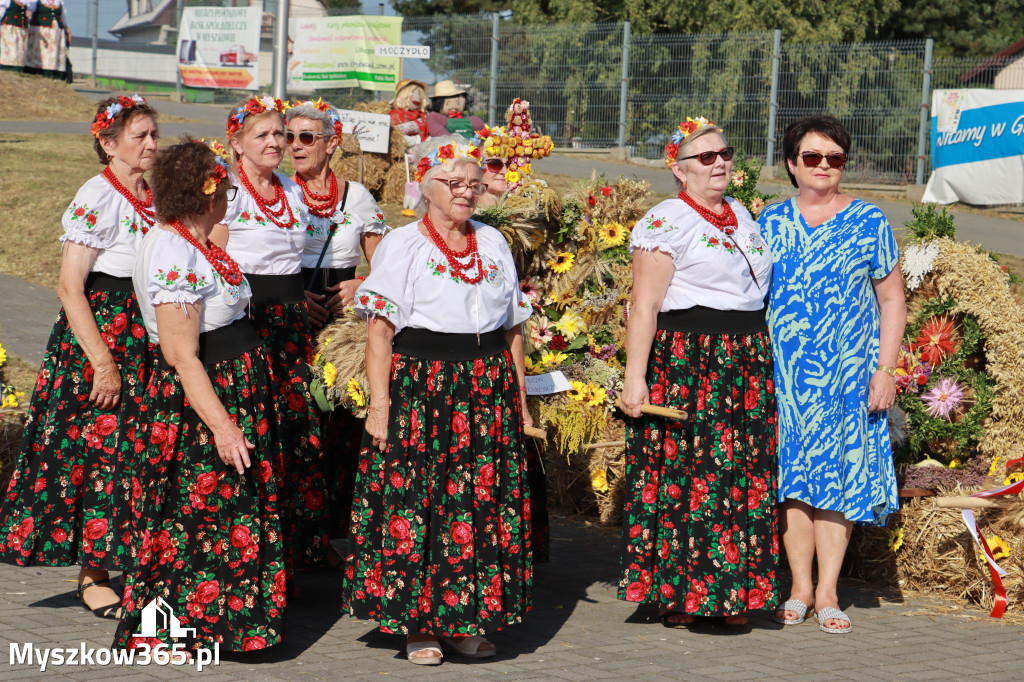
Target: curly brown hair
[177, 179]
[120, 122]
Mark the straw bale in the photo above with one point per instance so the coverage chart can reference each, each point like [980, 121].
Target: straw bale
[938, 555]
[393, 189]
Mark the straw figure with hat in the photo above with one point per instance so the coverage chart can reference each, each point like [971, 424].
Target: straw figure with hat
[447, 112]
[409, 111]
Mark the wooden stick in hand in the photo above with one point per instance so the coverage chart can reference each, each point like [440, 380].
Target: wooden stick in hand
[534, 432]
[659, 411]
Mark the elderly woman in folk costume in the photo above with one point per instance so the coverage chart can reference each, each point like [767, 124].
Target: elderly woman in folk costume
[441, 516]
[408, 111]
[344, 220]
[837, 273]
[15, 16]
[48, 40]
[69, 500]
[209, 527]
[699, 535]
[447, 113]
[266, 227]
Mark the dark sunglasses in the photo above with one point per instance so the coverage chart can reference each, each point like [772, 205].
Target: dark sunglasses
[813, 159]
[494, 165]
[306, 137]
[708, 158]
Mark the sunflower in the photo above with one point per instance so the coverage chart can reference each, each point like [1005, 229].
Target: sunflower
[330, 374]
[562, 262]
[599, 480]
[355, 391]
[995, 465]
[578, 391]
[998, 547]
[596, 395]
[1013, 478]
[612, 234]
[3, 355]
[896, 539]
[552, 359]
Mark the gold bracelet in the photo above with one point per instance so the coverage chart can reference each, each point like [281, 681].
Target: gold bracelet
[891, 371]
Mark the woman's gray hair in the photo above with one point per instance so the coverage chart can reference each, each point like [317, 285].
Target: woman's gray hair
[313, 114]
[425, 148]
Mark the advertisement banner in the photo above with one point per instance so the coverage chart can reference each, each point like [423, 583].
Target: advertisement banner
[219, 47]
[977, 147]
[340, 52]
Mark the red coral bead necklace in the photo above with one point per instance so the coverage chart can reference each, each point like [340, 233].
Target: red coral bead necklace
[279, 198]
[143, 208]
[224, 264]
[320, 205]
[724, 221]
[471, 251]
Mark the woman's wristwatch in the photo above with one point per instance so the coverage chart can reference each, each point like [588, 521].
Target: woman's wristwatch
[891, 371]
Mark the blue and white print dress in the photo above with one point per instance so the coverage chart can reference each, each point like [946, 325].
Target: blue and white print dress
[824, 321]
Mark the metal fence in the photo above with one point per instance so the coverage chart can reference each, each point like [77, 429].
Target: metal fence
[596, 85]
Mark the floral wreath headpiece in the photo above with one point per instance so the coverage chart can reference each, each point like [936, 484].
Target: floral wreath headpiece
[446, 154]
[686, 128]
[255, 105]
[321, 105]
[516, 143]
[220, 171]
[106, 117]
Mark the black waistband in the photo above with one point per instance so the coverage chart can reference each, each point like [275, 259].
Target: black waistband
[224, 343]
[430, 345]
[276, 288]
[101, 281]
[703, 320]
[327, 277]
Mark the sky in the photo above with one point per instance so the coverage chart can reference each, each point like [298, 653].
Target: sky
[112, 10]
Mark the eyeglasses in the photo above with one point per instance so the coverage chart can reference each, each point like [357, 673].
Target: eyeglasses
[494, 165]
[306, 137]
[813, 159]
[232, 192]
[458, 187]
[708, 158]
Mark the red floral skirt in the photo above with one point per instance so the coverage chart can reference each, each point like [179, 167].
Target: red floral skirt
[208, 540]
[699, 532]
[69, 496]
[304, 497]
[440, 532]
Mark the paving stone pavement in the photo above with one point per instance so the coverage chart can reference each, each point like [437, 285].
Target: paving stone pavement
[577, 630]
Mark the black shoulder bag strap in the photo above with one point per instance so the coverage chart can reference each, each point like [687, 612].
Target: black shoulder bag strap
[327, 244]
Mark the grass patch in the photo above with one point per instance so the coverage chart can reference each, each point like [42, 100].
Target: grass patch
[34, 98]
[21, 374]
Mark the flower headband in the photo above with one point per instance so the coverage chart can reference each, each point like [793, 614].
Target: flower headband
[220, 171]
[446, 154]
[686, 128]
[106, 117]
[255, 105]
[321, 105]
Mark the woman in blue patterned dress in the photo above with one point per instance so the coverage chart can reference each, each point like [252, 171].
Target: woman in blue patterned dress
[837, 314]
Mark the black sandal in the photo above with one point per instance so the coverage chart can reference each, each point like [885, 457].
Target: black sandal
[111, 611]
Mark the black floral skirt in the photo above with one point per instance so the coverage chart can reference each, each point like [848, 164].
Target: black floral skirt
[69, 495]
[304, 494]
[208, 540]
[700, 532]
[440, 533]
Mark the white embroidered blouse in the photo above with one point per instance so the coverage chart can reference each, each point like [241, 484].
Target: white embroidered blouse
[100, 217]
[410, 284]
[170, 270]
[360, 215]
[259, 246]
[711, 270]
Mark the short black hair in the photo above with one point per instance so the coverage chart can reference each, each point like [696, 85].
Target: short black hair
[824, 124]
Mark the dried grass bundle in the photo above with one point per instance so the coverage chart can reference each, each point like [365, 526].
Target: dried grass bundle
[343, 344]
[928, 549]
[12, 428]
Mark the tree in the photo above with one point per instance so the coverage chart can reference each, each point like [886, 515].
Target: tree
[422, 8]
[351, 5]
[960, 28]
